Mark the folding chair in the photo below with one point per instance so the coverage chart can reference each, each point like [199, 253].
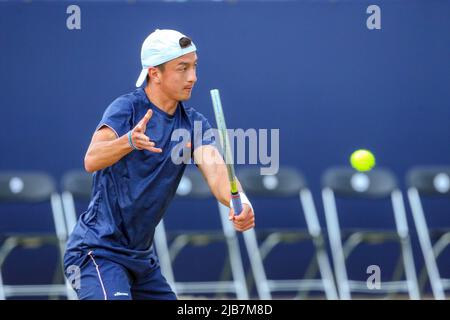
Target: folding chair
[430, 182]
[32, 188]
[288, 182]
[76, 186]
[193, 186]
[377, 184]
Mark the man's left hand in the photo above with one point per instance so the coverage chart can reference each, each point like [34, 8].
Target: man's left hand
[245, 220]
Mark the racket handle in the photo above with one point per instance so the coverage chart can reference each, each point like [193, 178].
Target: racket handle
[237, 203]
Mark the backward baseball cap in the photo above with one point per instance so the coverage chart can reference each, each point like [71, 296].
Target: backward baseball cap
[159, 47]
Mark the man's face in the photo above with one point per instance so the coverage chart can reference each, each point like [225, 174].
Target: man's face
[179, 77]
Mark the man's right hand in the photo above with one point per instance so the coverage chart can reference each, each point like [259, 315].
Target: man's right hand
[107, 148]
[140, 140]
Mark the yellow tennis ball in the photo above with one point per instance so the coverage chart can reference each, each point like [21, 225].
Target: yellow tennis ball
[362, 160]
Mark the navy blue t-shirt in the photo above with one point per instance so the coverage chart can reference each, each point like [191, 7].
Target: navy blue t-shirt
[130, 197]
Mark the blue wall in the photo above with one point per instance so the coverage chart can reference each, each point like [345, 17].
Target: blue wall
[310, 68]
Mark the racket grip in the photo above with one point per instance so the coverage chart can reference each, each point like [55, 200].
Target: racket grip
[237, 203]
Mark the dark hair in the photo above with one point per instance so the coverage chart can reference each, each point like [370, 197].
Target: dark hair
[184, 43]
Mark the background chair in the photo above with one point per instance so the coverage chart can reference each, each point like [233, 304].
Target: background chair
[430, 182]
[169, 245]
[76, 186]
[31, 189]
[287, 183]
[76, 189]
[376, 184]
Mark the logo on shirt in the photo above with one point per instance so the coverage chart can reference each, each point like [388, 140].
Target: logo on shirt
[117, 294]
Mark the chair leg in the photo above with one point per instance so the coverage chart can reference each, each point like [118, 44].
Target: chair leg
[256, 264]
[321, 258]
[402, 229]
[234, 254]
[2, 289]
[163, 254]
[326, 273]
[336, 243]
[425, 244]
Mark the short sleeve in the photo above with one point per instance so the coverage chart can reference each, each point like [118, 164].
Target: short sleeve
[118, 116]
[204, 134]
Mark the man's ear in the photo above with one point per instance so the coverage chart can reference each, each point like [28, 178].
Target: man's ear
[154, 75]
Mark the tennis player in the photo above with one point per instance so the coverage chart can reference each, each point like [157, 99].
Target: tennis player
[135, 178]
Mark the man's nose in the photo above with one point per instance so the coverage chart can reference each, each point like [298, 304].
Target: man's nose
[192, 76]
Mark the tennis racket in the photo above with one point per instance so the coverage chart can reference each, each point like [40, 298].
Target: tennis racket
[221, 126]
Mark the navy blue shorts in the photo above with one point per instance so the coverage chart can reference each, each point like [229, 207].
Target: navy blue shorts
[95, 277]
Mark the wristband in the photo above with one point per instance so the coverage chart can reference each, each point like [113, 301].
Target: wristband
[130, 140]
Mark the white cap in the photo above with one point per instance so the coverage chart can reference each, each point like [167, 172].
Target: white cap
[159, 47]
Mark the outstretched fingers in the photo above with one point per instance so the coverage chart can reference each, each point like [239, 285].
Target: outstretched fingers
[142, 125]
